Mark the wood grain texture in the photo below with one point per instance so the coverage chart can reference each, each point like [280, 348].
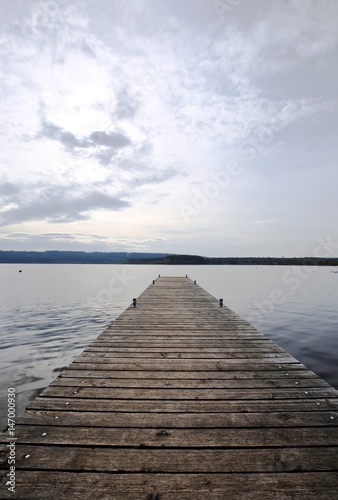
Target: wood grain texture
[146, 486]
[179, 399]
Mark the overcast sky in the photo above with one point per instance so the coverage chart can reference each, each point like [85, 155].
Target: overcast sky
[181, 126]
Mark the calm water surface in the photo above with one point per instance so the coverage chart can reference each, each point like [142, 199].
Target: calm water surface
[49, 313]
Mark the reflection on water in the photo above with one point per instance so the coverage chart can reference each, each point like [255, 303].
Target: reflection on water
[49, 314]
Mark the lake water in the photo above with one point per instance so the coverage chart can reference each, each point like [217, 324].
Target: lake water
[49, 313]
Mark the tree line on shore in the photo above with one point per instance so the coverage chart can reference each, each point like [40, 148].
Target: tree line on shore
[77, 257]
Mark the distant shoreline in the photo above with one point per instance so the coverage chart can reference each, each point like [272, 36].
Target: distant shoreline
[77, 257]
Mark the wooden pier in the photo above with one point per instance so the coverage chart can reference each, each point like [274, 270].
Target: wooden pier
[179, 398]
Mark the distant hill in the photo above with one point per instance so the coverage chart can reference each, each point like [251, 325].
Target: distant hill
[171, 260]
[67, 257]
[248, 261]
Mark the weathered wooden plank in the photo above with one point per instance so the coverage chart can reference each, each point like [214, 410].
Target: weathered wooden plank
[181, 420]
[170, 331]
[177, 438]
[184, 327]
[183, 406]
[192, 350]
[186, 365]
[181, 383]
[178, 341]
[178, 355]
[146, 486]
[309, 459]
[188, 394]
[156, 370]
[100, 371]
[162, 344]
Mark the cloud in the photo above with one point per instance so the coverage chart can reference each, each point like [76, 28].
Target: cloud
[110, 105]
[54, 236]
[101, 145]
[57, 205]
[112, 140]
[8, 189]
[126, 105]
[104, 156]
[54, 132]
[155, 178]
[77, 241]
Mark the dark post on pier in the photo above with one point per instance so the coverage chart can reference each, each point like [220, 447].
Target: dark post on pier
[178, 399]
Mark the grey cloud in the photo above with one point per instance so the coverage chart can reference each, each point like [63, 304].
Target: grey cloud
[113, 140]
[126, 106]
[9, 194]
[54, 204]
[156, 178]
[57, 133]
[58, 241]
[8, 189]
[107, 145]
[55, 236]
[105, 156]
[87, 49]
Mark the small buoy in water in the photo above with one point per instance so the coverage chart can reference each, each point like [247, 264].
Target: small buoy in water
[20, 270]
